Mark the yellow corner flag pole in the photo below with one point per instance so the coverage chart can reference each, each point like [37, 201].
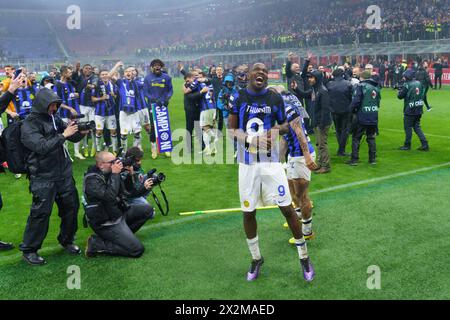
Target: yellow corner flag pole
[191, 213]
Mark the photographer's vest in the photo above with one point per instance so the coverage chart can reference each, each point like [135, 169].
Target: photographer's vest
[368, 113]
[414, 98]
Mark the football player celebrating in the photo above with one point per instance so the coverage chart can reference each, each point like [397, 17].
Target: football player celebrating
[128, 117]
[104, 99]
[69, 107]
[253, 117]
[301, 160]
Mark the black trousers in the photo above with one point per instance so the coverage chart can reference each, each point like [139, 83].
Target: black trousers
[308, 122]
[410, 123]
[342, 125]
[370, 131]
[436, 78]
[193, 116]
[219, 119]
[152, 126]
[425, 98]
[45, 193]
[119, 239]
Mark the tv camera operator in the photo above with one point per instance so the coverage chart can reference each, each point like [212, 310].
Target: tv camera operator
[115, 204]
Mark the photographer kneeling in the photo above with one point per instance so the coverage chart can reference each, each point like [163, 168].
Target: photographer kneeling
[113, 219]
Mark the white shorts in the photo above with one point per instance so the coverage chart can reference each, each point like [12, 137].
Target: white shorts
[129, 123]
[89, 113]
[207, 118]
[263, 183]
[108, 121]
[144, 117]
[297, 168]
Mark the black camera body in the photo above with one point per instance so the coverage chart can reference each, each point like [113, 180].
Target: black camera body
[123, 204]
[85, 126]
[156, 178]
[127, 162]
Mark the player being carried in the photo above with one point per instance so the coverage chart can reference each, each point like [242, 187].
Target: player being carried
[253, 117]
[301, 160]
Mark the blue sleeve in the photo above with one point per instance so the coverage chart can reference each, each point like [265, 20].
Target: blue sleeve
[291, 113]
[219, 102]
[146, 87]
[234, 100]
[169, 91]
[280, 113]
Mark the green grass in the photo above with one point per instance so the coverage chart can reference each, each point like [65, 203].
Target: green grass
[398, 224]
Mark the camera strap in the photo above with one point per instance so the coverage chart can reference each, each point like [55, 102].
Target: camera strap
[158, 203]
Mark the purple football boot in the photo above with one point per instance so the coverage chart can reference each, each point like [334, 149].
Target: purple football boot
[308, 269]
[253, 273]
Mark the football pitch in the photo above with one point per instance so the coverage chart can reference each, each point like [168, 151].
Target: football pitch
[393, 217]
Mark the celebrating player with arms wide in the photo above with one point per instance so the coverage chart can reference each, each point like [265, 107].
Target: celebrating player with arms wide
[253, 118]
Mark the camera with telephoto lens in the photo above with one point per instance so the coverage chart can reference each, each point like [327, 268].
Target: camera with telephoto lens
[83, 126]
[157, 178]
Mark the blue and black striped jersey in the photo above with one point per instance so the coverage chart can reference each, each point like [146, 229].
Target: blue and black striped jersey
[127, 93]
[105, 108]
[257, 114]
[292, 105]
[66, 91]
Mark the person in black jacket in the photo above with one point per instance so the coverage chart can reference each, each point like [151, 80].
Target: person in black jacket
[192, 97]
[50, 171]
[412, 92]
[217, 82]
[437, 66]
[113, 222]
[5, 99]
[424, 78]
[321, 119]
[365, 105]
[340, 92]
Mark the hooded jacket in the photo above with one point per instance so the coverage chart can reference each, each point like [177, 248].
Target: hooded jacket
[42, 134]
[321, 102]
[225, 94]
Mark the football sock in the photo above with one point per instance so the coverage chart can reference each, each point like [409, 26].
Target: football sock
[307, 226]
[206, 139]
[98, 142]
[124, 140]
[76, 147]
[253, 245]
[137, 139]
[114, 142]
[301, 247]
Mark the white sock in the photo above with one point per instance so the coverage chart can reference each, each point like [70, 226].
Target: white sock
[299, 212]
[307, 226]
[114, 142]
[301, 247]
[253, 245]
[76, 147]
[124, 140]
[154, 146]
[137, 140]
[206, 139]
[98, 142]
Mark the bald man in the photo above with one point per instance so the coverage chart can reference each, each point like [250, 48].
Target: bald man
[114, 224]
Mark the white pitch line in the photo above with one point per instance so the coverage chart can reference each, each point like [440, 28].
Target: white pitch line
[426, 134]
[205, 216]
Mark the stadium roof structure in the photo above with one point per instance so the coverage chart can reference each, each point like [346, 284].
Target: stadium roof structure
[369, 49]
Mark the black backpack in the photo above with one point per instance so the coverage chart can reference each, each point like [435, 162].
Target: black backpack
[15, 152]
